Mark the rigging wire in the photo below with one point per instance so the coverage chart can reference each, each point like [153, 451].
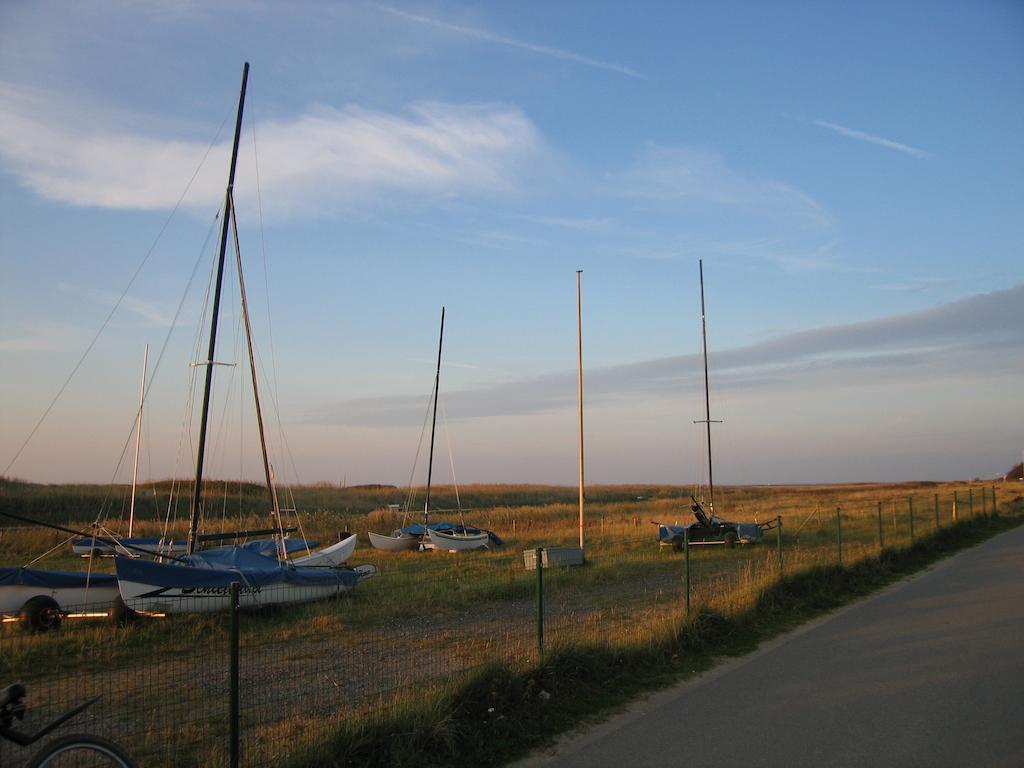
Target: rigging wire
[415, 462]
[451, 460]
[149, 383]
[117, 304]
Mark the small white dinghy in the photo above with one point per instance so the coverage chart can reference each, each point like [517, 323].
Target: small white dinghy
[399, 543]
[458, 542]
[331, 556]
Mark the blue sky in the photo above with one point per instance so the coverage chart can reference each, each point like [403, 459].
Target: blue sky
[849, 173]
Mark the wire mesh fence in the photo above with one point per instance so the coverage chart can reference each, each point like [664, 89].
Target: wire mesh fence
[423, 624]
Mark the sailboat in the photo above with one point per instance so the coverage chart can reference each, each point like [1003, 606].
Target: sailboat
[454, 537]
[201, 580]
[708, 528]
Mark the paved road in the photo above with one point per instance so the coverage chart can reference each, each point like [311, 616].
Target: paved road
[928, 673]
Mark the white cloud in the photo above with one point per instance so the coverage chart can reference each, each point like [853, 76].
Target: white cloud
[680, 174]
[324, 156]
[490, 37]
[872, 139]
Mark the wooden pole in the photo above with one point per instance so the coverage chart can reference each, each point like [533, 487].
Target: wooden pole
[579, 389]
[138, 439]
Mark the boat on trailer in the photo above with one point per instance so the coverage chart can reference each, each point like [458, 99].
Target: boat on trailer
[203, 584]
[707, 527]
[39, 598]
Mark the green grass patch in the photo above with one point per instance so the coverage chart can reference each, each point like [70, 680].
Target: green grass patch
[500, 713]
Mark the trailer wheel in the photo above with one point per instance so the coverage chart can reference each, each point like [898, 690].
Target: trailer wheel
[40, 614]
[730, 539]
[121, 615]
[677, 542]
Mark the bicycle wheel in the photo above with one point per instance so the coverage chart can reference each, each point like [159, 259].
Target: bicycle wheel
[81, 751]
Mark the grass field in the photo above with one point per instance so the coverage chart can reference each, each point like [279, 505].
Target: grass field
[427, 619]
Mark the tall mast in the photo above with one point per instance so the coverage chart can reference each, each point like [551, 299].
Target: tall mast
[433, 426]
[138, 439]
[209, 362]
[707, 396]
[274, 505]
[579, 387]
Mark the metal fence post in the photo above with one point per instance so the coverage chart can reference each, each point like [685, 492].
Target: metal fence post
[910, 508]
[954, 506]
[881, 535]
[778, 541]
[686, 568]
[540, 602]
[937, 523]
[995, 509]
[839, 536]
[983, 501]
[233, 709]
[970, 502]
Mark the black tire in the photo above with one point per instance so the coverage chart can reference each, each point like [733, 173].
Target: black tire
[40, 614]
[730, 539]
[121, 615]
[677, 543]
[76, 749]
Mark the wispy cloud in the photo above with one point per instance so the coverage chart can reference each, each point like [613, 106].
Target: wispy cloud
[675, 174]
[872, 139]
[981, 333]
[42, 337]
[144, 309]
[490, 37]
[322, 157]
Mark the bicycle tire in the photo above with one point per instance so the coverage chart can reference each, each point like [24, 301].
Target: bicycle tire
[80, 745]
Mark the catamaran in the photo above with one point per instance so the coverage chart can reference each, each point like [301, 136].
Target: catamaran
[201, 580]
[708, 528]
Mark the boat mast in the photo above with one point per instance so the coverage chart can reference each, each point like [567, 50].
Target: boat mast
[433, 426]
[579, 388]
[138, 439]
[209, 362]
[707, 397]
[274, 505]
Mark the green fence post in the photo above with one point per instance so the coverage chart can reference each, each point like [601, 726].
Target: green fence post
[839, 536]
[954, 506]
[686, 568]
[970, 502]
[778, 541]
[983, 501]
[881, 535]
[910, 509]
[540, 602]
[995, 509]
[937, 523]
[233, 713]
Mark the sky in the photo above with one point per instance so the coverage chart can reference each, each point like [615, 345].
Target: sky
[849, 174]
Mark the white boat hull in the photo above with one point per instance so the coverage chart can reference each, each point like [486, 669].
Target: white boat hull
[331, 556]
[154, 599]
[393, 543]
[458, 542]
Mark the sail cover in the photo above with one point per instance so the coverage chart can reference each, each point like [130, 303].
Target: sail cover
[220, 566]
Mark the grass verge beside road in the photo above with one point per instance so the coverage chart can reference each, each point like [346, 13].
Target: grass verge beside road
[501, 713]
